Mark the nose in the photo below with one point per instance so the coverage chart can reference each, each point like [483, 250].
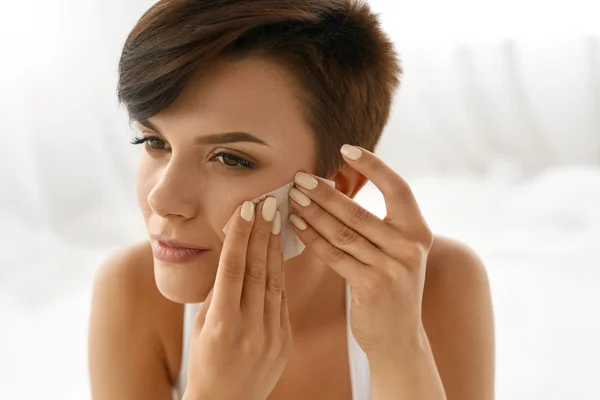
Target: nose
[173, 196]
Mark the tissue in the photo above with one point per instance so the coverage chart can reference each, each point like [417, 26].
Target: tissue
[292, 245]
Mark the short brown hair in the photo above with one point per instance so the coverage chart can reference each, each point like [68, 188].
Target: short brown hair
[345, 65]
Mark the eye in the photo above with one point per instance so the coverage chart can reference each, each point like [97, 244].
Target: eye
[232, 161]
[152, 142]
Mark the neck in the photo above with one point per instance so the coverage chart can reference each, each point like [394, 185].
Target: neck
[315, 293]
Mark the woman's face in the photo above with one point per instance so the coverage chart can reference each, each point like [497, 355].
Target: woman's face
[234, 133]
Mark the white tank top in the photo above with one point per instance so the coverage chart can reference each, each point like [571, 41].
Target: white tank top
[359, 366]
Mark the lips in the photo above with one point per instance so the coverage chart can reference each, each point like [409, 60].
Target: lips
[170, 251]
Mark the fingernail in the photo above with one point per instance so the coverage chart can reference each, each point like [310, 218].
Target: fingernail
[305, 180]
[248, 211]
[269, 209]
[351, 152]
[276, 224]
[299, 197]
[298, 222]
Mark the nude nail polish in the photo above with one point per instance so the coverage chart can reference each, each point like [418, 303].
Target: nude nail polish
[298, 222]
[351, 152]
[269, 208]
[276, 224]
[247, 212]
[305, 180]
[299, 197]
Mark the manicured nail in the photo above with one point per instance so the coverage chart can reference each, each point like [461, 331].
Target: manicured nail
[248, 211]
[351, 152]
[276, 224]
[298, 222]
[299, 197]
[306, 181]
[269, 209]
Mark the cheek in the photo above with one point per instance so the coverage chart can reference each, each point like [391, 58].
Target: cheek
[218, 208]
[226, 195]
[144, 185]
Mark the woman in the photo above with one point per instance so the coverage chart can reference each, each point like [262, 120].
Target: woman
[236, 98]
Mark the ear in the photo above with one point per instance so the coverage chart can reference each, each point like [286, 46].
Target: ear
[348, 180]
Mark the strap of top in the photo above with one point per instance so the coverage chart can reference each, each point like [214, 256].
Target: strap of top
[189, 316]
[360, 376]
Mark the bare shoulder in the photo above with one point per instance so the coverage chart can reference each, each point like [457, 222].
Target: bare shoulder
[134, 351]
[458, 319]
[128, 272]
[456, 282]
[451, 262]
[128, 277]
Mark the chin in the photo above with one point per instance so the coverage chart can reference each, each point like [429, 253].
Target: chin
[184, 283]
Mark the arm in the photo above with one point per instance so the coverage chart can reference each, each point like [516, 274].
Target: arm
[126, 358]
[409, 374]
[458, 318]
[395, 313]
[459, 344]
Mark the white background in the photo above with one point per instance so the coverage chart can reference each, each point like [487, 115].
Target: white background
[497, 127]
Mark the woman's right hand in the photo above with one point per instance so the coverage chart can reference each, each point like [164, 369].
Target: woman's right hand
[242, 332]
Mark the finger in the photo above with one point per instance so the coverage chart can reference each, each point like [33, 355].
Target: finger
[232, 263]
[401, 205]
[284, 312]
[334, 231]
[253, 292]
[341, 262]
[343, 209]
[201, 315]
[274, 286]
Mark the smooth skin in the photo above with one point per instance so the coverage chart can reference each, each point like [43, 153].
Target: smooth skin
[187, 191]
[384, 263]
[243, 329]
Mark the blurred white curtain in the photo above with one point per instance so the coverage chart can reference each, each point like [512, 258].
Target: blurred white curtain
[485, 87]
[67, 156]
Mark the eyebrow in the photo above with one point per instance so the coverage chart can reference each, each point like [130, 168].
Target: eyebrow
[216, 138]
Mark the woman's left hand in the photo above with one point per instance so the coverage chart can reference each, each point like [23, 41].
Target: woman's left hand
[383, 261]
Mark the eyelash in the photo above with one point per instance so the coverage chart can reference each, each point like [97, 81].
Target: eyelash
[146, 139]
[241, 162]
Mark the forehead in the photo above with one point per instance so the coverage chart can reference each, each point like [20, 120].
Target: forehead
[249, 95]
